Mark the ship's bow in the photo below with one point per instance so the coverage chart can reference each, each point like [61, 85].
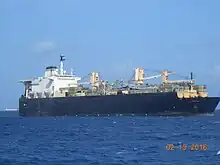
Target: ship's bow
[208, 105]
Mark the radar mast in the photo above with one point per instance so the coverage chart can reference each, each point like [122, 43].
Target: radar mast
[62, 59]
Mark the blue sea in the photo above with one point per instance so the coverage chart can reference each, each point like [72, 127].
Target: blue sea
[119, 140]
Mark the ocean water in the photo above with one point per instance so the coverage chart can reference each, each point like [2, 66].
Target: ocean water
[109, 140]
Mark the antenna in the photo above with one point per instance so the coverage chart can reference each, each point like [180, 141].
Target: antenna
[62, 57]
[191, 75]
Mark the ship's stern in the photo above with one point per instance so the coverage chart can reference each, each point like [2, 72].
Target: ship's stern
[22, 106]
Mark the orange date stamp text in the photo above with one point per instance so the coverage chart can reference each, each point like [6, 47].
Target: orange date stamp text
[187, 147]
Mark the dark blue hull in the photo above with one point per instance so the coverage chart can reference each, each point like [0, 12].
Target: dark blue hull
[137, 104]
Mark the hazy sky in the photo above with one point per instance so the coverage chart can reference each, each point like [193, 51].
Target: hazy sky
[109, 36]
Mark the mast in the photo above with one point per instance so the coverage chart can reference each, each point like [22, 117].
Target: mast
[62, 59]
[191, 76]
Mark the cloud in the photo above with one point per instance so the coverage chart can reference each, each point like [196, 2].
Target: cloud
[44, 46]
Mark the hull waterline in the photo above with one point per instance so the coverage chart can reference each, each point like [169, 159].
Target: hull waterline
[132, 104]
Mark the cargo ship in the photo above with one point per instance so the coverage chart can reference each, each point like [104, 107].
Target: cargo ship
[59, 93]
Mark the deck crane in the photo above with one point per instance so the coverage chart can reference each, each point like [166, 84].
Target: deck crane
[94, 80]
[139, 76]
[191, 81]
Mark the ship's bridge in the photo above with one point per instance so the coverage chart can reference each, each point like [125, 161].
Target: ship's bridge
[51, 71]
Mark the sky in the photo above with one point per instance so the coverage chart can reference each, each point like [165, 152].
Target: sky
[112, 37]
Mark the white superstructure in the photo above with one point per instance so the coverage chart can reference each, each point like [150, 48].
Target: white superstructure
[54, 83]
